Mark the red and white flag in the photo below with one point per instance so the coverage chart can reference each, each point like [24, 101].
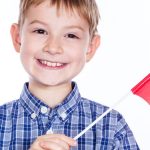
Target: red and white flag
[142, 89]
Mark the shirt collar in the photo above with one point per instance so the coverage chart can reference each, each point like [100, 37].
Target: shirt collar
[32, 104]
[69, 104]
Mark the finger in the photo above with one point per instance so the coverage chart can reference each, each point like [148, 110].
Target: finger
[62, 137]
[52, 145]
[36, 146]
[66, 139]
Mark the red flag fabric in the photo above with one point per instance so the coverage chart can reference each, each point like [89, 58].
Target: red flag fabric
[142, 89]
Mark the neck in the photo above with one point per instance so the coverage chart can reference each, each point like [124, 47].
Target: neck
[50, 95]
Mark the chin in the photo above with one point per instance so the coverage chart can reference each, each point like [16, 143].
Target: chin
[52, 83]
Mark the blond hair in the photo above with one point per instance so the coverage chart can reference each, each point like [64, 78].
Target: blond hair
[86, 8]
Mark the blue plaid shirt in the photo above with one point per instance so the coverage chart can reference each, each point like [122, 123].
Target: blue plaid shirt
[23, 120]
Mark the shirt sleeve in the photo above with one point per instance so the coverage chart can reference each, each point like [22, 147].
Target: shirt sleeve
[124, 138]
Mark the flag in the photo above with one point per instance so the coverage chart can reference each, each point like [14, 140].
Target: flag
[142, 89]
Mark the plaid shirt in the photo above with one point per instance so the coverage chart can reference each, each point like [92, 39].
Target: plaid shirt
[23, 120]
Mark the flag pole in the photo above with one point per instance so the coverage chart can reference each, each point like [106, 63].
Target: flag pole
[134, 90]
[101, 116]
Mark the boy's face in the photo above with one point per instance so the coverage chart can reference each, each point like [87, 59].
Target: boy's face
[53, 48]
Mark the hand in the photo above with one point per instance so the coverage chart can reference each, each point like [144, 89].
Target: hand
[53, 142]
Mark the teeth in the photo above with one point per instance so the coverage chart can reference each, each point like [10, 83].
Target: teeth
[51, 64]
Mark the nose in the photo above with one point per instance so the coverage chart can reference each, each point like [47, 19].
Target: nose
[53, 46]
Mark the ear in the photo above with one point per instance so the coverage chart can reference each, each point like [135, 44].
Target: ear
[15, 35]
[94, 44]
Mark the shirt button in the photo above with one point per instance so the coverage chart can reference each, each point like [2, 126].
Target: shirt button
[63, 115]
[44, 110]
[33, 115]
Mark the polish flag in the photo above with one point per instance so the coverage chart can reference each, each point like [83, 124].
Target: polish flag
[142, 89]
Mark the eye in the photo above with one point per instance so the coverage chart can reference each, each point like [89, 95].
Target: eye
[72, 36]
[40, 31]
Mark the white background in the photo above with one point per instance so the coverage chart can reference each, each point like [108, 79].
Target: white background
[122, 60]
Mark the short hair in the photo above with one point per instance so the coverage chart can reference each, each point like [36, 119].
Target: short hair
[85, 8]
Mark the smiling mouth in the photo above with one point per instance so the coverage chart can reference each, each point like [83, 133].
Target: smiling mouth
[51, 64]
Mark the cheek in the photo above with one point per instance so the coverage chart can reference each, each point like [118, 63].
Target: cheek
[31, 42]
[28, 47]
[26, 52]
[79, 58]
[78, 50]
[25, 58]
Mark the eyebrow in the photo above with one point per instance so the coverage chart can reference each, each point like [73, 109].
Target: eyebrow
[74, 26]
[37, 21]
[66, 27]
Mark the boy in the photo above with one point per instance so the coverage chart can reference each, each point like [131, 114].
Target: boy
[55, 38]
